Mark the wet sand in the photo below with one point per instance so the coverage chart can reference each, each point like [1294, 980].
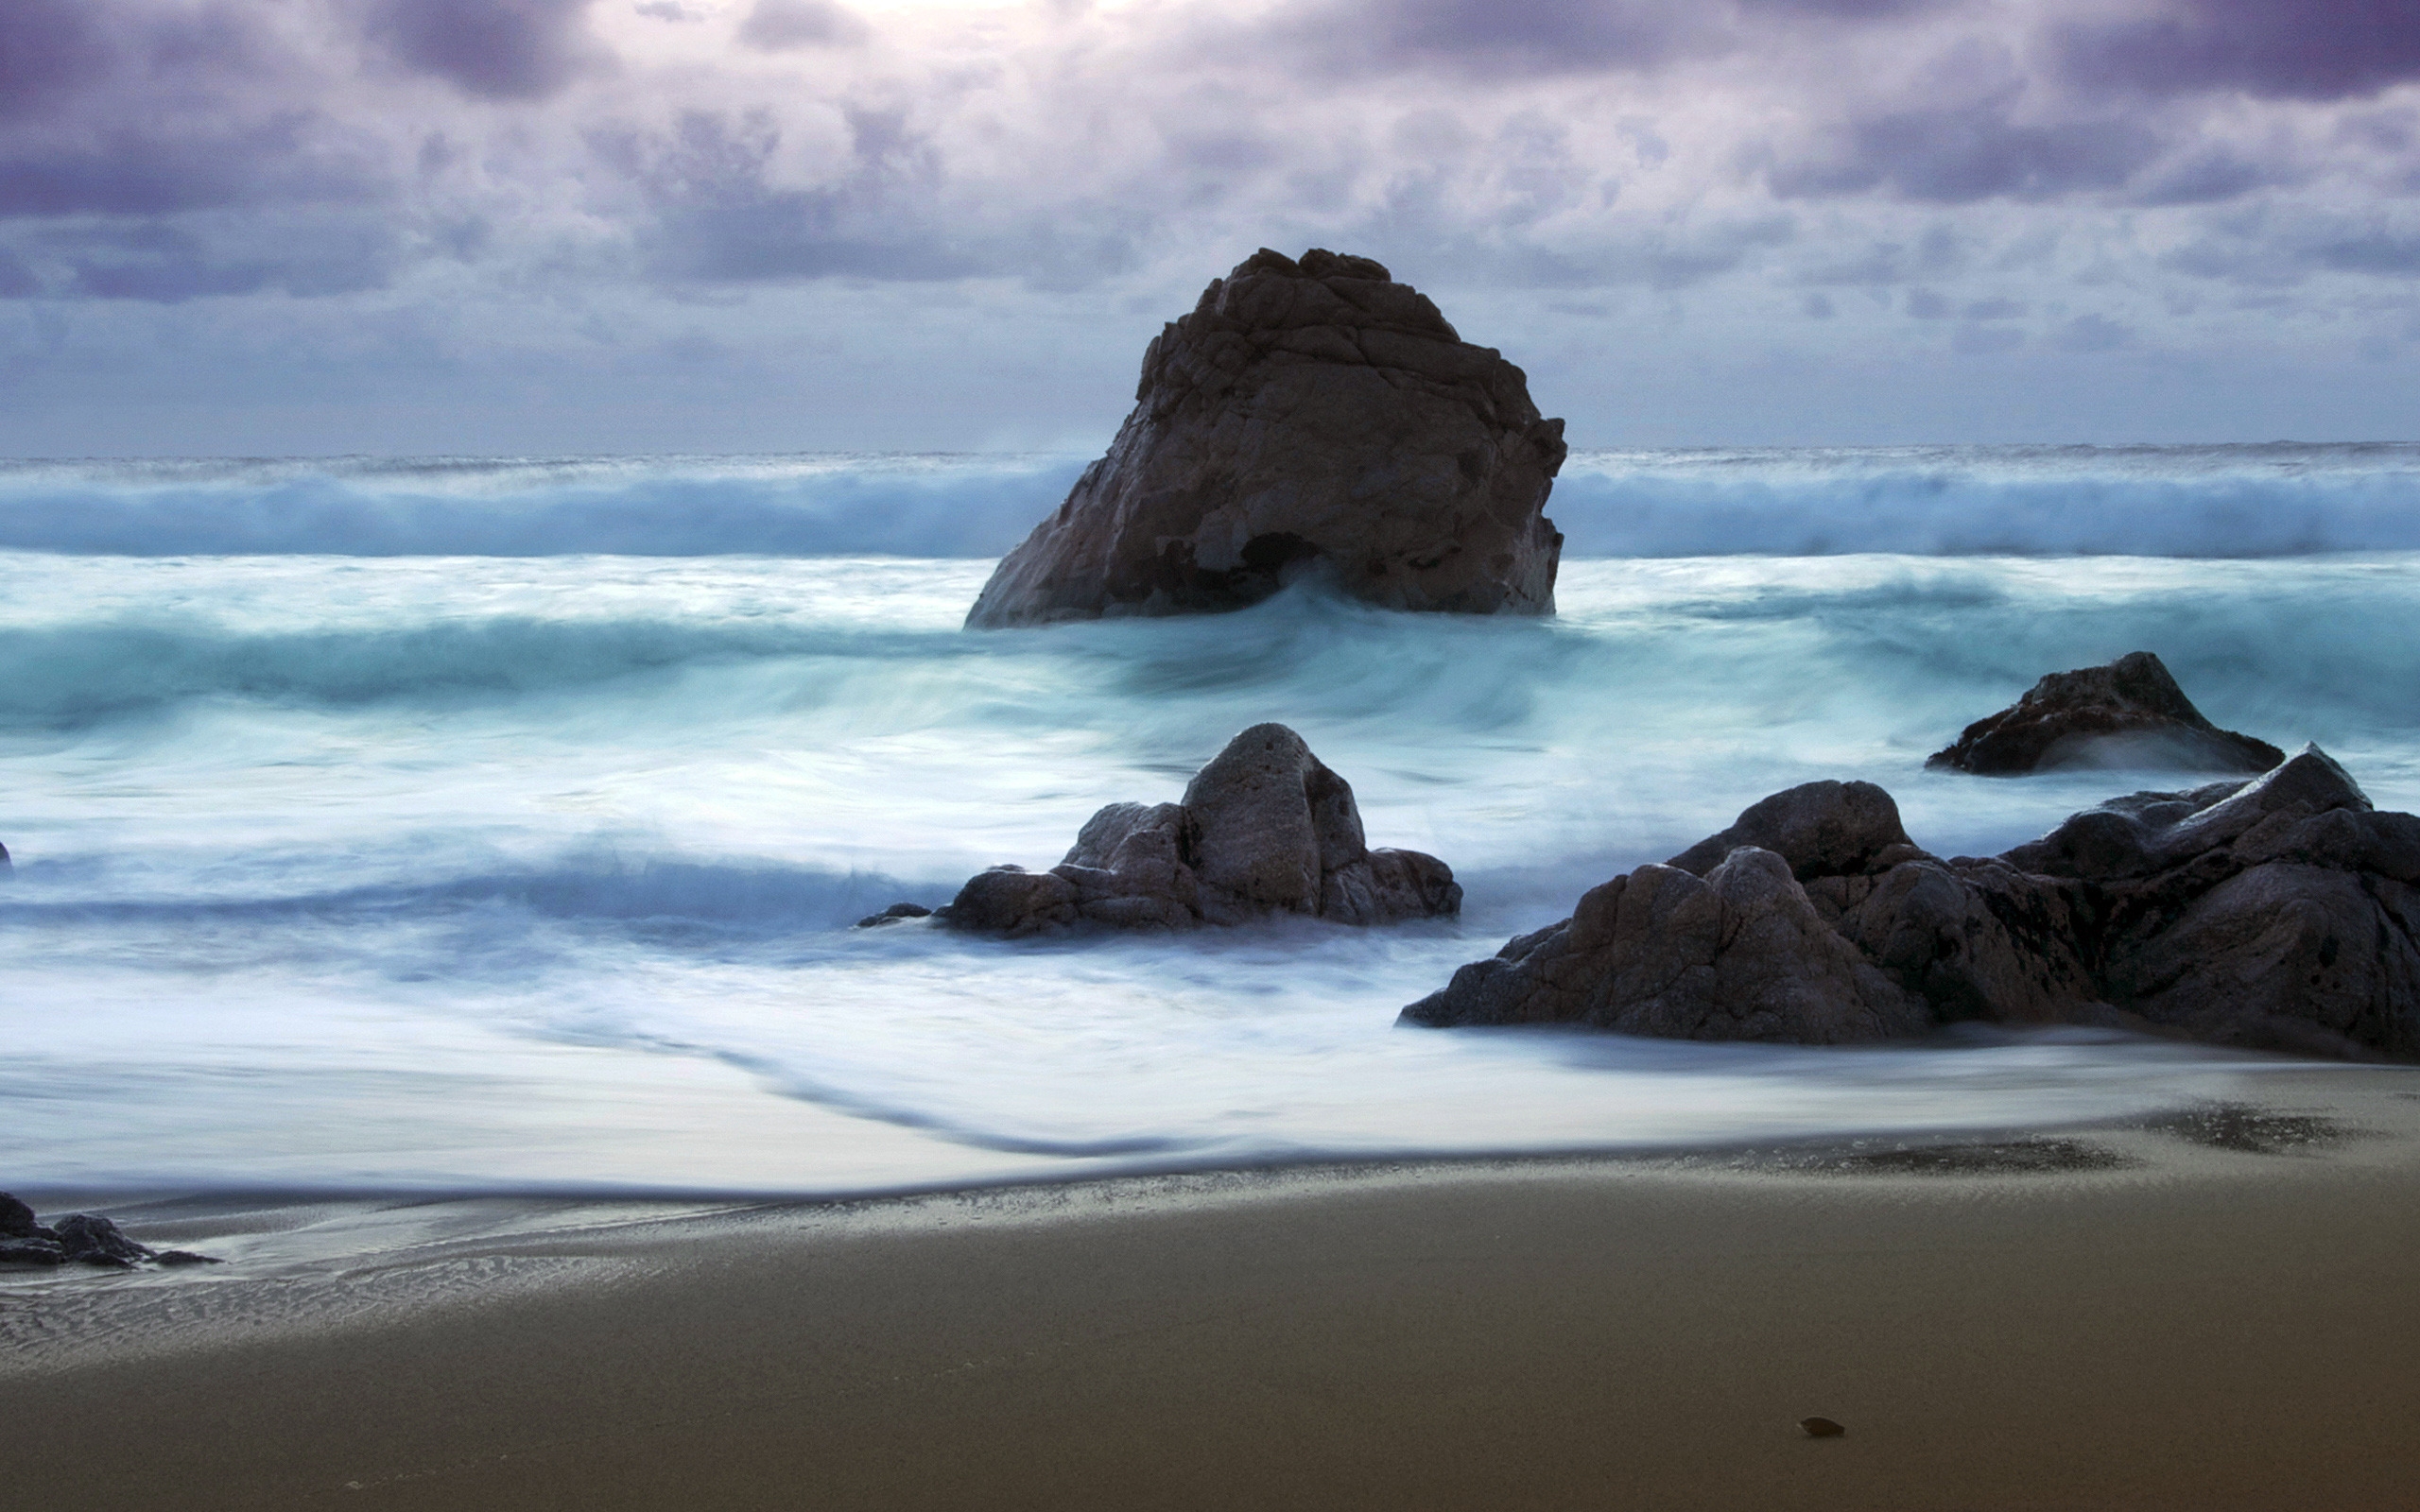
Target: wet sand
[2218, 1311]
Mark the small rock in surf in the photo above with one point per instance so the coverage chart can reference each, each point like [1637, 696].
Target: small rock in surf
[2128, 714]
[1265, 829]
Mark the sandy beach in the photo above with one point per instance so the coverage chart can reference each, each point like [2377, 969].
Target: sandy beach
[2210, 1310]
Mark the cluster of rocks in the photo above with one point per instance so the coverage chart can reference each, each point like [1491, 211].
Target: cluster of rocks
[2275, 913]
[2130, 712]
[1265, 829]
[1307, 416]
[78, 1239]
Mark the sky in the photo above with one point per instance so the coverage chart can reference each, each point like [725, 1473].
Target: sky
[303, 227]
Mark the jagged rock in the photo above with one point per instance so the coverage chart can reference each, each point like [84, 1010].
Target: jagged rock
[94, 1241]
[2130, 712]
[1263, 829]
[1975, 939]
[1310, 416]
[1739, 955]
[33, 1252]
[2279, 913]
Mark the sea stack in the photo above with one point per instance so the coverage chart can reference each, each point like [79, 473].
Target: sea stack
[1308, 416]
[2128, 714]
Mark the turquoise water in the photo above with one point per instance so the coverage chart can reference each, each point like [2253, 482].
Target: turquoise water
[403, 870]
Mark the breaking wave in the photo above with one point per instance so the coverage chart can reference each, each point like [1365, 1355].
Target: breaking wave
[2170, 500]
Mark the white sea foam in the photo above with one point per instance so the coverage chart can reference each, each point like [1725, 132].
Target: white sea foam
[338, 870]
[2164, 501]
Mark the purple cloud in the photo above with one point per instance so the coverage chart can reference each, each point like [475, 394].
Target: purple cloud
[718, 221]
[2305, 49]
[1960, 153]
[1498, 38]
[785, 26]
[48, 49]
[157, 171]
[493, 49]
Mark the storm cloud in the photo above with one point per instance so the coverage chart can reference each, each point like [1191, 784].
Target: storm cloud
[744, 207]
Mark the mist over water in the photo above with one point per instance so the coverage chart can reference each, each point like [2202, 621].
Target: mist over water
[341, 863]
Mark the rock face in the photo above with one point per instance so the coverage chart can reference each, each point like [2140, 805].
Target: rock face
[1263, 829]
[2128, 712]
[2282, 913]
[1740, 954]
[1308, 417]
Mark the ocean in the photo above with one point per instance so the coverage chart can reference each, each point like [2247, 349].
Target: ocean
[470, 824]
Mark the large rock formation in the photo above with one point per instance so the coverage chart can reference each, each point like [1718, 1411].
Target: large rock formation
[2280, 913]
[2130, 712]
[1306, 417]
[1263, 829]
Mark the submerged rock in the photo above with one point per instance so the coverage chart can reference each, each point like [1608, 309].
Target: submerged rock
[2280, 913]
[1306, 417]
[6, 865]
[2130, 712]
[1263, 829]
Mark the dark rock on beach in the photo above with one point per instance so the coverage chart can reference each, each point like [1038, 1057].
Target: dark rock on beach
[1306, 417]
[1265, 829]
[79, 1238]
[2130, 712]
[896, 913]
[17, 1221]
[2281, 913]
[92, 1241]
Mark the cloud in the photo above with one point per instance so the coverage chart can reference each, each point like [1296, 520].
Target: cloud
[2091, 333]
[1497, 38]
[1957, 154]
[2291, 49]
[127, 171]
[785, 26]
[2210, 175]
[491, 49]
[718, 220]
[165, 263]
[48, 49]
[744, 180]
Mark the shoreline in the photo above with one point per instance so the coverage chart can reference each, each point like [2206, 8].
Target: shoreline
[2141, 1314]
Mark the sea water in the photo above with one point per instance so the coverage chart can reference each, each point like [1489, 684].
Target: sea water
[447, 824]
